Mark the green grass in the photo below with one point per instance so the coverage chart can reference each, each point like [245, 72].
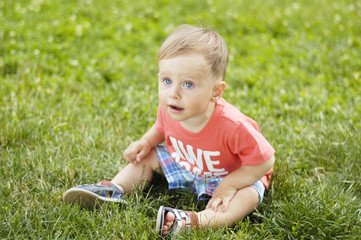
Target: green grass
[78, 84]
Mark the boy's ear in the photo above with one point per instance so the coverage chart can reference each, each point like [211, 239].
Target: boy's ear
[218, 91]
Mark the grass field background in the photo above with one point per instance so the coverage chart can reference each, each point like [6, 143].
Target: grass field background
[78, 84]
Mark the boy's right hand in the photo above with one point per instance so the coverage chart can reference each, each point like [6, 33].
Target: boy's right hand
[136, 151]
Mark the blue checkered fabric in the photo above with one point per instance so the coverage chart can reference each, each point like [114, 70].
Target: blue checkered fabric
[180, 178]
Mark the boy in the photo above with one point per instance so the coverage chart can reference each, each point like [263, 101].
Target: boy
[211, 147]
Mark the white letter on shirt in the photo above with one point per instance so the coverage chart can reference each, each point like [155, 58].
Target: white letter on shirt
[175, 146]
[190, 156]
[210, 163]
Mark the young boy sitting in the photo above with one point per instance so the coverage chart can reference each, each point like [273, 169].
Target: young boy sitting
[211, 147]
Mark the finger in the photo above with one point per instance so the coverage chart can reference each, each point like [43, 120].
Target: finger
[216, 203]
[135, 152]
[126, 157]
[129, 156]
[143, 152]
[140, 155]
[225, 205]
[209, 204]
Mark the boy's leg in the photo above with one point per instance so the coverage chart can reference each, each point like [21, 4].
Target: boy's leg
[244, 202]
[131, 177]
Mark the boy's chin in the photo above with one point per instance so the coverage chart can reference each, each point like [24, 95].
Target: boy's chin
[176, 116]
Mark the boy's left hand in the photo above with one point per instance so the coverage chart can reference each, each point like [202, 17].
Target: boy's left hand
[222, 196]
[238, 179]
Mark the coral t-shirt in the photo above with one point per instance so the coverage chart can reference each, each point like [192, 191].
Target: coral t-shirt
[230, 139]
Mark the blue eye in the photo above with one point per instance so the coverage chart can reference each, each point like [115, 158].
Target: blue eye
[189, 85]
[167, 81]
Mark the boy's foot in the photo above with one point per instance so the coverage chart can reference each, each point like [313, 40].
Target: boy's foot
[94, 194]
[171, 221]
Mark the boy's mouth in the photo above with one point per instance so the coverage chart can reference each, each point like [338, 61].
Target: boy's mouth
[174, 107]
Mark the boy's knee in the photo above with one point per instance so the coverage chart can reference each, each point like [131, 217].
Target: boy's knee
[152, 160]
[248, 196]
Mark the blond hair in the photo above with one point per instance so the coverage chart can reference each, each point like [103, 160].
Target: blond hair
[205, 41]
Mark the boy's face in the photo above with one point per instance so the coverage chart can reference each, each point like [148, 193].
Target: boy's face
[187, 88]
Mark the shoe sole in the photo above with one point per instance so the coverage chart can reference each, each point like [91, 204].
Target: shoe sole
[88, 199]
[160, 221]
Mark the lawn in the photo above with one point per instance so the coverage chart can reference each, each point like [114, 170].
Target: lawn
[78, 83]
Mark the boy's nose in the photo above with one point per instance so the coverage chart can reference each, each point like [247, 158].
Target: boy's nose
[174, 93]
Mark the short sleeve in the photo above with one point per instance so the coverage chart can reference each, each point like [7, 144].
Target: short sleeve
[250, 145]
[159, 124]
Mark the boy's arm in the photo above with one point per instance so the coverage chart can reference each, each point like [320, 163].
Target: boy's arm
[136, 151]
[238, 179]
[153, 137]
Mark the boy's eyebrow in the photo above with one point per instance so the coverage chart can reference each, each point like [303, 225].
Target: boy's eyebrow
[162, 74]
[184, 75]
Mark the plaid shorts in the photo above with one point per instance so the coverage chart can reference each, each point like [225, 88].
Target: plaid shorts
[180, 178]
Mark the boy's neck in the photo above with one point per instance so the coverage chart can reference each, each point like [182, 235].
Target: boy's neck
[196, 124]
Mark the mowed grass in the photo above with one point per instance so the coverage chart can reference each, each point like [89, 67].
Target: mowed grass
[78, 83]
